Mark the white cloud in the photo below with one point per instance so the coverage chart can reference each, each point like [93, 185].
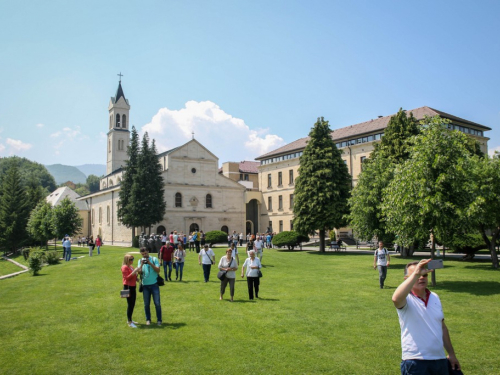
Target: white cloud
[228, 137]
[2, 147]
[17, 145]
[69, 134]
[491, 151]
[39, 125]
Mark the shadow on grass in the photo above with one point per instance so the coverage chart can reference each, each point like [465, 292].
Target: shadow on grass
[335, 253]
[486, 266]
[477, 288]
[164, 325]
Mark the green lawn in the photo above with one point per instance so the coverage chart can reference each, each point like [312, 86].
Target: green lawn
[318, 314]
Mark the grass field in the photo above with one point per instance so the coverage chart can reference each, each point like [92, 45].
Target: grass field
[318, 314]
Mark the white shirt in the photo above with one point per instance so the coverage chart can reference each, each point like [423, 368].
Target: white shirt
[381, 256]
[206, 256]
[422, 328]
[224, 263]
[250, 272]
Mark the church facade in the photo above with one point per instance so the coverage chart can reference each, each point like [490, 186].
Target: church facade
[198, 197]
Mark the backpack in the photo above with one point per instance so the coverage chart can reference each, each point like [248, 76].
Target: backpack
[195, 236]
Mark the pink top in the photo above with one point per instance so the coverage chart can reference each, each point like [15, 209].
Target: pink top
[128, 278]
[98, 241]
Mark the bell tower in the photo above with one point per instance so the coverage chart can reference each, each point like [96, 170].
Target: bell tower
[119, 133]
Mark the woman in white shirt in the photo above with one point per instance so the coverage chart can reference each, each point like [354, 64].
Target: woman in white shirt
[206, 258]
[228, 263]
[179, 256]
[253, 266]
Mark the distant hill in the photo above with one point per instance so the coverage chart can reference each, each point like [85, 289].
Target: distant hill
[95, 169]
[63, 173]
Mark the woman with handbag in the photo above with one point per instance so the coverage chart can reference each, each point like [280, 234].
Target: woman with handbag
[179, 256]
[129, 275]
[228, 265]
[253, 266]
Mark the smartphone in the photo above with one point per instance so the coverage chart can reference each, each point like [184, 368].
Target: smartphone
[436, 263]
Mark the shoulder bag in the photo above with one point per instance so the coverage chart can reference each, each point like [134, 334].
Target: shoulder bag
[221, 275]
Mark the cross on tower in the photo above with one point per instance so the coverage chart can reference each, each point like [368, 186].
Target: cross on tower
[192, 133]
[120, 75]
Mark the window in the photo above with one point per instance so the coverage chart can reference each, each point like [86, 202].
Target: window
[92, 217]
[280, 178]
[124, 121]
[246, 177]
[241, 176]
[290, 176]
[108, 215]
[269, 180]
[110, 121]
[100, 215]
[269, 203]
[291, 201]
[271, 226]
[109, 146]
[117, 120]
[208, 201]
[281, 226]
[178, 200]
[291, 224]
[280, 202]
[362, 160]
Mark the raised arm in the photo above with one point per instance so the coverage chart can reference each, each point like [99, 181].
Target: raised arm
[399, 296]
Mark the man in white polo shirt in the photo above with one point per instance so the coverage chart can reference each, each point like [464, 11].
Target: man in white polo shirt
[423, 331]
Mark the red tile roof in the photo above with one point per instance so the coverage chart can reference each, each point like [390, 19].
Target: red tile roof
[249, 166]
[371, 126]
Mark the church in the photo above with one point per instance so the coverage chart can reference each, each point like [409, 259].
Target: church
[198, 197]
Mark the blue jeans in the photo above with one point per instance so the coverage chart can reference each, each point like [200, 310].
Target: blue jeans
[68, 254]
[424, 367]
[206, 271]
[147, 291]
[169, 265]
[179, 266]
[98, 250]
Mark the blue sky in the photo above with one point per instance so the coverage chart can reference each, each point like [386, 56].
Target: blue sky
[245, 76]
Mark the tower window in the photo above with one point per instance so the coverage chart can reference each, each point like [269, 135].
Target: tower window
[117, 120]
[209, 201]
[124, 121]
[178, 200]
[110, 121]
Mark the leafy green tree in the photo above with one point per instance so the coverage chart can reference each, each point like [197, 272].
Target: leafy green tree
[366, 215]
[93, 183]
[66, 218]
[433, 188]
[323, 186]
[14, 210]
[126, 207]
[41, 224]
[147, 191]
[485, 209]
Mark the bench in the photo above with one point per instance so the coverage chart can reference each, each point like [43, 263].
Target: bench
[335, 247]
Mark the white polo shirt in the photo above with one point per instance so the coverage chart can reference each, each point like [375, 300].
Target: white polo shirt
[422, 327]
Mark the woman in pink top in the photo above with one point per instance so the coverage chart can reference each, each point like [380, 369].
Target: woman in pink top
[98, 243]
[129, 275]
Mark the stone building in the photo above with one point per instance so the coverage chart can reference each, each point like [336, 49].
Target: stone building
[59, 194]
[197, 196]
[279, 168]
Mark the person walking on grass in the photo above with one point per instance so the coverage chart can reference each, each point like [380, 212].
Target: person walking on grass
[166, 257]
[149, 268]
[424, 335]
[206, 258]
[129, 276]
[67, 248]
[381, 260]
[179, 256]
[252, 266]
[228, 264]
[98, 244]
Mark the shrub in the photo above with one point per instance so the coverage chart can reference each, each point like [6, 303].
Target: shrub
[26, 253]
[52, 257]
[35, 262]
[135, 242]
[289, 239]
[215, 236]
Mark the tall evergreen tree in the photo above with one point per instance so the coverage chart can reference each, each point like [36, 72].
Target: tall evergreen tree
[14, 210]
[125, 207]
[323, 185]
[366, 216]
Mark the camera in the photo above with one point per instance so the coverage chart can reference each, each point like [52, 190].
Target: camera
[145, 261]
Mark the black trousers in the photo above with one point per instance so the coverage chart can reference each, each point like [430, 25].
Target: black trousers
[130, 301]
[253, 283]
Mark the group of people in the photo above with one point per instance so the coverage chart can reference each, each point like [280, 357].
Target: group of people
[171, 256]
[192, 241]
[67, 241]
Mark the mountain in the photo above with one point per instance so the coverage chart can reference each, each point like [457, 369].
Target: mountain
[95, 169]
[63, 173]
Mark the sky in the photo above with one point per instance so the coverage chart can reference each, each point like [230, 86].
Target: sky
[246, 77]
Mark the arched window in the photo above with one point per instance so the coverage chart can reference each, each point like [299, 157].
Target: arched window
[110, 121]
[208, 201]
[92, 217]
[178, 200]
[108, 215]
[100, 215]
[104, 184]
[117, 120]
[194, 228]
[225, 229]
[124, 121]
[160, 229]
[110, 182]
[109, 146]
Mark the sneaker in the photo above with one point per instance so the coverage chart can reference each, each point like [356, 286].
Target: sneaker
[148, 322]
[132, 325]
[159, 323]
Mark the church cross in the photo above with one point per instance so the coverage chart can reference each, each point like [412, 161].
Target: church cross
[120, 75]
